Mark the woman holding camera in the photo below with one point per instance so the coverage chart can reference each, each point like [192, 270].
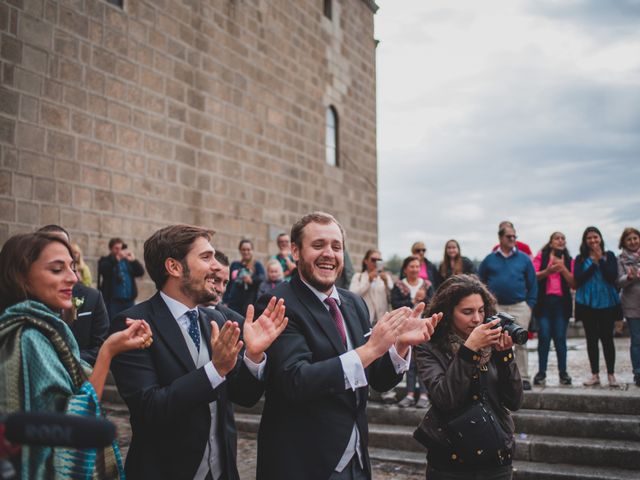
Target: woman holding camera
[553, 309]
[373, 284]
[468, 368]
[597, 302]
[41, 365]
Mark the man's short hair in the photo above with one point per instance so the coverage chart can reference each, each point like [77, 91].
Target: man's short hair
[315, 217]
[280, 235]
[221, 258]
[175, 242]
[114, 241]
[504, 225]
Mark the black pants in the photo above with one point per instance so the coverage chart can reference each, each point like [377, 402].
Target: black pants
[598, 325]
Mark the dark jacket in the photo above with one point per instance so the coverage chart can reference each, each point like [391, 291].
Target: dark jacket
[608, 265]
[240, 295]
[401, 295]
[91, 326]
[467, 268]
[567, 300]
[108, 268]
[309, 415]
[168, 398]
[449, 381]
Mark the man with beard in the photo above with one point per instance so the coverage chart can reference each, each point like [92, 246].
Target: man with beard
[314, 423]
[220, 282]
[179, 390]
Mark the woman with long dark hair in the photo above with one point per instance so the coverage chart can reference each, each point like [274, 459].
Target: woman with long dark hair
[553, 309]
[597, 302]
[467, 361]
[41, 368]
[629, 281]
[453, 262]
[245, 276]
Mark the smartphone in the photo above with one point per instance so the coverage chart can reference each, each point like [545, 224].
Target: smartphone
[557, 253]
[379, 265]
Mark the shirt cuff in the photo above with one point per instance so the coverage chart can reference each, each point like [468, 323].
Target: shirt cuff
[256, 369]
[354, 376]
[212, 374]
[400, 364]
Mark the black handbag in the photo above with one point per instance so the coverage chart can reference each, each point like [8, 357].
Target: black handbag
[476, 435]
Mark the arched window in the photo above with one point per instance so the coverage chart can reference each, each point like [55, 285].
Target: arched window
[331, 139]
[328, 9]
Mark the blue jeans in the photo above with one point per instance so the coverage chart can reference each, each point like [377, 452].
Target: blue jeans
[634, 333]
[552, 324]
[412, 376]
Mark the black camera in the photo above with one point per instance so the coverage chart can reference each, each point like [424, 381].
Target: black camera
[508, 323]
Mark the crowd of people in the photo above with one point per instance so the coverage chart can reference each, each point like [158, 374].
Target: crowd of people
[218, 332]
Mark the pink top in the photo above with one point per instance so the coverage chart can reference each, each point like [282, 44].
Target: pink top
[423, 271]
[554, 280]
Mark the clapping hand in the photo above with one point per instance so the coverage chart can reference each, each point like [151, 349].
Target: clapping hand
[225, 345]
[137, 335]
[416, 329]
[259, 334]
[383, 335]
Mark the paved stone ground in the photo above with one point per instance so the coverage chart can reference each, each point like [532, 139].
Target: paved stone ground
[578, 366]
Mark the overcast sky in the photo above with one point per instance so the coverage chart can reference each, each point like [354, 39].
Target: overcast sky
[507, 109]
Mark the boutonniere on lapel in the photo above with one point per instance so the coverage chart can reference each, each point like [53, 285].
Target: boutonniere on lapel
[77, 302]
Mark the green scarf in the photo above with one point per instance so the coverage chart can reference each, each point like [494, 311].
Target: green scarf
[41, 369]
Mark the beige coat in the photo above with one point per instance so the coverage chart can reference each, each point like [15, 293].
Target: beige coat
[375, 294]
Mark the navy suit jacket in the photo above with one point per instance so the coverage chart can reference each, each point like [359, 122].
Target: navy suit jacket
[91, 325]
[168, 398]
[308, 415]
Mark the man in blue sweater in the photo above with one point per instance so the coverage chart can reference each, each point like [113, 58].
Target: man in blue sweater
[509, 274]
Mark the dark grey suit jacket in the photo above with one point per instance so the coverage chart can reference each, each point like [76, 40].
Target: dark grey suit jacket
[308, 415]
[168, 398]
[91, 326]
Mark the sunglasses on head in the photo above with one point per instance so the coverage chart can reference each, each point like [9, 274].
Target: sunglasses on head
[420, 250]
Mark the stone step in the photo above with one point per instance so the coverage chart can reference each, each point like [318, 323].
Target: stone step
[528, 420]
[578, 451]
[521, 470]
[529, 447]
[578, 424]
[579, 399]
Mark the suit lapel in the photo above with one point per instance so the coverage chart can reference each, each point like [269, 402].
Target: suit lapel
[319, 313]
[352, 321]
[170, 332]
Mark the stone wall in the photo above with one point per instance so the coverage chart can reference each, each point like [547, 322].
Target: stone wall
[115, 122]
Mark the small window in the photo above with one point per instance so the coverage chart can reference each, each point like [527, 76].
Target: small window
[328, 9]
[117, 3]
[332, 136]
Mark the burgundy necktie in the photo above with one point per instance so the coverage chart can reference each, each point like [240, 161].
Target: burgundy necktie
[337, 318]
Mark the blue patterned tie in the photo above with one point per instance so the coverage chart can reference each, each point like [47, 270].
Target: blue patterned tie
[194, 329]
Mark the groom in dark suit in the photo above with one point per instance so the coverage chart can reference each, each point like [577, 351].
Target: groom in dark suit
[179, 390]
[314, 424]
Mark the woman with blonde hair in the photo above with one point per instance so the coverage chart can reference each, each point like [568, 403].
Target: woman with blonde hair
[82, 269]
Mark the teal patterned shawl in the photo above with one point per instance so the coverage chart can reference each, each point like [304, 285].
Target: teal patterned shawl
[41, 370]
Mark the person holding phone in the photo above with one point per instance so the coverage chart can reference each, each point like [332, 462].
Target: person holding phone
[373, 284]
[597, 302]
[554, 268]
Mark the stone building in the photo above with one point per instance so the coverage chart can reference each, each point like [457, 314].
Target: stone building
[118, 119]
